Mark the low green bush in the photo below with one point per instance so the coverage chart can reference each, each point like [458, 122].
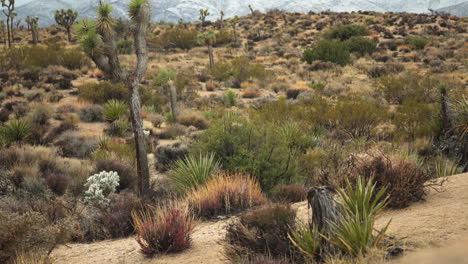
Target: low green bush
[240, 69]
[114, 109]
[417, 42]
[361, 45]
[345, 32]
[101, 92]
[177, 37]
[328, 50]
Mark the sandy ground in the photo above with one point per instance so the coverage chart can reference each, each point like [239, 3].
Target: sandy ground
[434, 232]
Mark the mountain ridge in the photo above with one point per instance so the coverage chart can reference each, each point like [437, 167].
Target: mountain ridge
[187, 10]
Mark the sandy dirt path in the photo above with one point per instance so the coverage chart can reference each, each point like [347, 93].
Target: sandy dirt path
[441, 220]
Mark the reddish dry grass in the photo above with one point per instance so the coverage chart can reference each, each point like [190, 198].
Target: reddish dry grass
[225, 194]
[164, 229]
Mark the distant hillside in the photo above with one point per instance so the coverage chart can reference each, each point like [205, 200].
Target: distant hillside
[460, 10]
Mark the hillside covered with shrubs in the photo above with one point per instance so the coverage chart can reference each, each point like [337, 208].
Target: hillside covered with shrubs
[112, 129]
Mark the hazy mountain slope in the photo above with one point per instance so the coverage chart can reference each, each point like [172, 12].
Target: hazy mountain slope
[173, 10]
[457, 10]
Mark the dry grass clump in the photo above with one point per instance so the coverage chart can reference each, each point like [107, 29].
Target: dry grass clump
[250, 93]
[226, 194]
[164, 229]
[291, 193]
[195, 119]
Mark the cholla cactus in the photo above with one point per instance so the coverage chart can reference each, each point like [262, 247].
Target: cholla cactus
[100, 186]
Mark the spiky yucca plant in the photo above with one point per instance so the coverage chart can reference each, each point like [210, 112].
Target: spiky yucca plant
[114, 109]
[193, 171]
[99, 41]
[15, 131]
[354, 233]
[307, 240]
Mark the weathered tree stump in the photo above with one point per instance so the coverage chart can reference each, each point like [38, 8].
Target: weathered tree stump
[325, 212]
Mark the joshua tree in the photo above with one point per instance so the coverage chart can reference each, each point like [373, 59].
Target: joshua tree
[251, 10]
[66, 19]
[9, 12]
[3, 32]
[234, 28]
[208, 39]
[221, 19]
[32, 26]
[203, 14]
[98, 40]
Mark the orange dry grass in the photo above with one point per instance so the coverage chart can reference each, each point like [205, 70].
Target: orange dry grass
[225, 194]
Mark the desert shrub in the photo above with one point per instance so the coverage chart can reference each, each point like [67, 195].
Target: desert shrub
[114, 109]
[177, 37]
[225, 194]
[414, 119]
[388, 68]
[91, 113]
[263, 231]
[15, 131]
[360, 45]
[417, 42]
[328, 50]
[255, 148]
[404, 180]
[356, 117]
[250, 93]
[99, 186]
[172, 131]
[292, 193]
[101, 92]
[40, 115]
[396, 88]
[73, 145]
[126, 171]
[117, 217]
[240, 69]
[27, 232]
[346, 32]
[119, 127]
[193, 171]
[307, 239]
[193, 119]
[156, 119]
[223, 37]
[164, 229]
[125, 46]
[30, 57]
[460, 116]
[230, 97]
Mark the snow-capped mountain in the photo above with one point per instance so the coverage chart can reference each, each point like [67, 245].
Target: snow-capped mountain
[173, 10]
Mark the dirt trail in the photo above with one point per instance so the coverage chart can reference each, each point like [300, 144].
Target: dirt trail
[442, 220]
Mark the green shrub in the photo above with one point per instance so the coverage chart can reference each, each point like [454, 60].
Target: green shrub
[40, 115]
[28, 57]
[223, 37]
[193, 171]
[15, 131]
[328, 50]
[361, 45]
[240, 69]
[259, 149]
[417, 42]
[102, 92]
[398, 87]
[114, 109]
[125, 46]
[414, 120]
[177, 37]
[345, 32]
[230, 97]
[119, 127]
[356, 117]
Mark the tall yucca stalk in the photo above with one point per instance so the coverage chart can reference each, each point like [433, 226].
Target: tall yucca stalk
[193, 171]
[98, 40]
[354, 233]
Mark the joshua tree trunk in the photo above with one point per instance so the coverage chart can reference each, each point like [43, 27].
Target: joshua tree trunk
[34, 36]
[8, 32]
[11, 30]
[173, 95]
[234, 29]
[69, 34]
[210, 54]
